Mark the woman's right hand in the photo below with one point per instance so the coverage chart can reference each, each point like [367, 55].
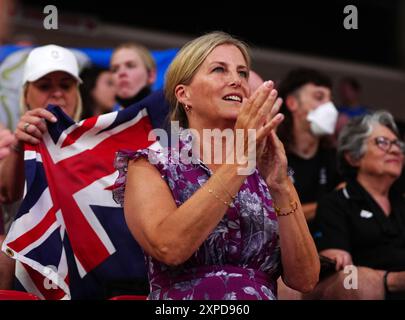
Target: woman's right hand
[32, 125]
[260, 113]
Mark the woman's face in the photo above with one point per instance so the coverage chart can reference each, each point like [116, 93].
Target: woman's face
[218, 88]
[129, 73]
[377, 161]
[104, 91]
[58, 88]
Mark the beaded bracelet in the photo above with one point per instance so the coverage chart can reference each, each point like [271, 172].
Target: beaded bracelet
[294, 207]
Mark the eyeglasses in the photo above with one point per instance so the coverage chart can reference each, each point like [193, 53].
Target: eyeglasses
[385, 144]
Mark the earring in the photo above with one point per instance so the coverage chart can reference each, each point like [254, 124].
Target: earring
[187, 108]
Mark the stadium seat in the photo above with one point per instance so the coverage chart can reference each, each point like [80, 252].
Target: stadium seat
[17, 295]
[129, 297]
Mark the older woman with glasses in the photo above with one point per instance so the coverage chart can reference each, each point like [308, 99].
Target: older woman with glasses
[363, 224]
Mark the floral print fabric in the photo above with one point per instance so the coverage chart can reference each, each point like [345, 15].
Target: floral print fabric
[240, 259]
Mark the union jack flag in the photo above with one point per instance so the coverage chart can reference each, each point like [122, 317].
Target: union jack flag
[69, 237]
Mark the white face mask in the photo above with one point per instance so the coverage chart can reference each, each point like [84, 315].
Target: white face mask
[323, 119]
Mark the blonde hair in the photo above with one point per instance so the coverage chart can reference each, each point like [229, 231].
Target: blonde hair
[143, 52]
[187, 62]
[24, 106]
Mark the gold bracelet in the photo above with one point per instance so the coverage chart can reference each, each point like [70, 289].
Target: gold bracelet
[227, 192]
[294, 207]
[229, 204]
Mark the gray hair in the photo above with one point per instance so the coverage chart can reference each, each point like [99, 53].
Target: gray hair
[352, 139]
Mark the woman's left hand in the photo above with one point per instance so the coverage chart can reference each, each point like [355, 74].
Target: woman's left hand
[272, 159]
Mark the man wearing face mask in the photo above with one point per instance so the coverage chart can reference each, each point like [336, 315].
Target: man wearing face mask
[310, 119]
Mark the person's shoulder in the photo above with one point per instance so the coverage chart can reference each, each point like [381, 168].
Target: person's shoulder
[117, 107]
[155, 99]
[335, 198]
[326, 151]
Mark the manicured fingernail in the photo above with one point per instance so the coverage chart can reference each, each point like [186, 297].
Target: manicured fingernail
[268, 84]
[54, 119]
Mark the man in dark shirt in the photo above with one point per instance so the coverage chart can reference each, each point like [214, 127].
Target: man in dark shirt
[316, 176]
[310, 116]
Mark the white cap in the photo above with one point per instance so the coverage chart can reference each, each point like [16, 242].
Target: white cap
[47, 59]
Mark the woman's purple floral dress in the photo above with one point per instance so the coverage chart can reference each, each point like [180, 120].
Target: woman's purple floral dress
[240, 259]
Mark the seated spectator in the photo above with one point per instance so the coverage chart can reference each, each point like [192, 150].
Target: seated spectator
[50, 77]
[97, 91]
[134, 72]
[207, 230]
[310, 116]
[363, 224]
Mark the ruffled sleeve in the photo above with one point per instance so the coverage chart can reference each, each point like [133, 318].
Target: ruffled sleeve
[122, 158]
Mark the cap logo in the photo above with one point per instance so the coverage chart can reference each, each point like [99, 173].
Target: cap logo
[55, 54]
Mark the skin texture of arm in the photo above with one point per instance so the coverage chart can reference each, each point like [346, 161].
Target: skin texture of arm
[168, 233]
[299, 255]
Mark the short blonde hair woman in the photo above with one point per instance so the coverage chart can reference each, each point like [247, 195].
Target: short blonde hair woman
[209, 232]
